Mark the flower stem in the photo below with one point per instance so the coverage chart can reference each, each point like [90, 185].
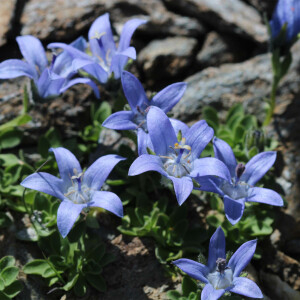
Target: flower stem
[272, 101]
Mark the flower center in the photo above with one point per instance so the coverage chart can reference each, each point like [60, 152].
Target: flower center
[78, 193]
[235, 190]
[222, 276]
[178, 164]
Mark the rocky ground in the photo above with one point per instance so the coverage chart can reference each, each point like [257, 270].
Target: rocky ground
[220, 49]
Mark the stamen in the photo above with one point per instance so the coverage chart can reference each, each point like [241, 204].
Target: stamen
[239, 170]
[98, 35]
[221, 265]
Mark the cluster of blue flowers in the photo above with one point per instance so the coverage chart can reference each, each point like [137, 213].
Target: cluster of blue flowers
[165, 145]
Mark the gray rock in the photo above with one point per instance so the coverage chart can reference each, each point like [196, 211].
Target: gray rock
[7, 13]
[219, 49]
[248, 83]
[263, 6]
[232, 16]
[164, 60]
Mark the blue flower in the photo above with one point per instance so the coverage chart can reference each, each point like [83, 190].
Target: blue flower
[77, 189]
[106, 58]
[218, 275]
[177, 160]
[239, 188]
[49, 80]
[136, 119]
[286, 12]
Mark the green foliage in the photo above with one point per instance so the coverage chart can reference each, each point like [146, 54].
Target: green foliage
[9, 285]
[190, 290]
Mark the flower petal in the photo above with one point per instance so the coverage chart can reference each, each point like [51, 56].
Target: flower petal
[33, 51]
[209, 293]
[121, 120]
[101, 28]
[192, 268]
[257, 167]
[160, 130]
[127, 32]
[246, 287]
[46, 183]
[169, 96]
[93, 69]
[13, 68]
[216, 248]
[144, 141]
[133, 90]
[198, 137]
[67, 214]
[183, 187]
[210, 184]
[108, 201]
[88, 81]
[178, 125]
[146, 163]
[210, 166]
[97, 173]
[234, 209]
[266, 196]
[242, 256]
[67, 163]
[224, 153]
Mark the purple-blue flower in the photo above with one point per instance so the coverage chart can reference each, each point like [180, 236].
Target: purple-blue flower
[286, 12]
[218, 275]
[49, 80]
[106, 58]
[177, 160]
[239, 187]
[136, 119]
[77, 189]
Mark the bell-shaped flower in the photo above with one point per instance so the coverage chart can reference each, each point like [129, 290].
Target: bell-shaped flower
[287, 12]
[219, 275]
[176, 159]
[77, 189]
[49, 80]
[136, 118]
[105, 57]
[239, 188]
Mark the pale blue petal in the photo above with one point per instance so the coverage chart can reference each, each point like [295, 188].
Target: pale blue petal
[242, 256]
[178, 125]
[121, 120]
[33, 51]
[224, 153]
[209, 293]
[13, 68]
[194, 269]
[46, 183]
[146, 163]
[234, 209]
[97, 173]
[210, 184]
[134, 91]
[198, 137]
[216, 248]
[108, 201]
[210, 166]
[266, 196]
[67, 214]
[257, 167]
[246, 287]
[67, 163]
[127, 32]
[95, 70]
[88, 81]
[183, 187]
[167, 98]
[144, 141]
[160, 130]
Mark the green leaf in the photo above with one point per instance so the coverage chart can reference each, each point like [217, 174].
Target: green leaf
[10, 137]
[173, 295]
[18, 121]
[210, 114]
[4, 297]
[9, 274]
[235, 111]
[36, 267]
[102, 113]
[80, 287]
[7, 261]
[71, 283]
[2, 286]
[13, 289]
[96, 281]
[215, 220]
[9, 159]
[188, 286]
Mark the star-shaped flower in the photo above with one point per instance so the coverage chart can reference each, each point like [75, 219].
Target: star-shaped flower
[136, 119]
[106, 58]
[77, 189]
[49, 80]
[239, 188]
[177, 160]
[218, 275]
